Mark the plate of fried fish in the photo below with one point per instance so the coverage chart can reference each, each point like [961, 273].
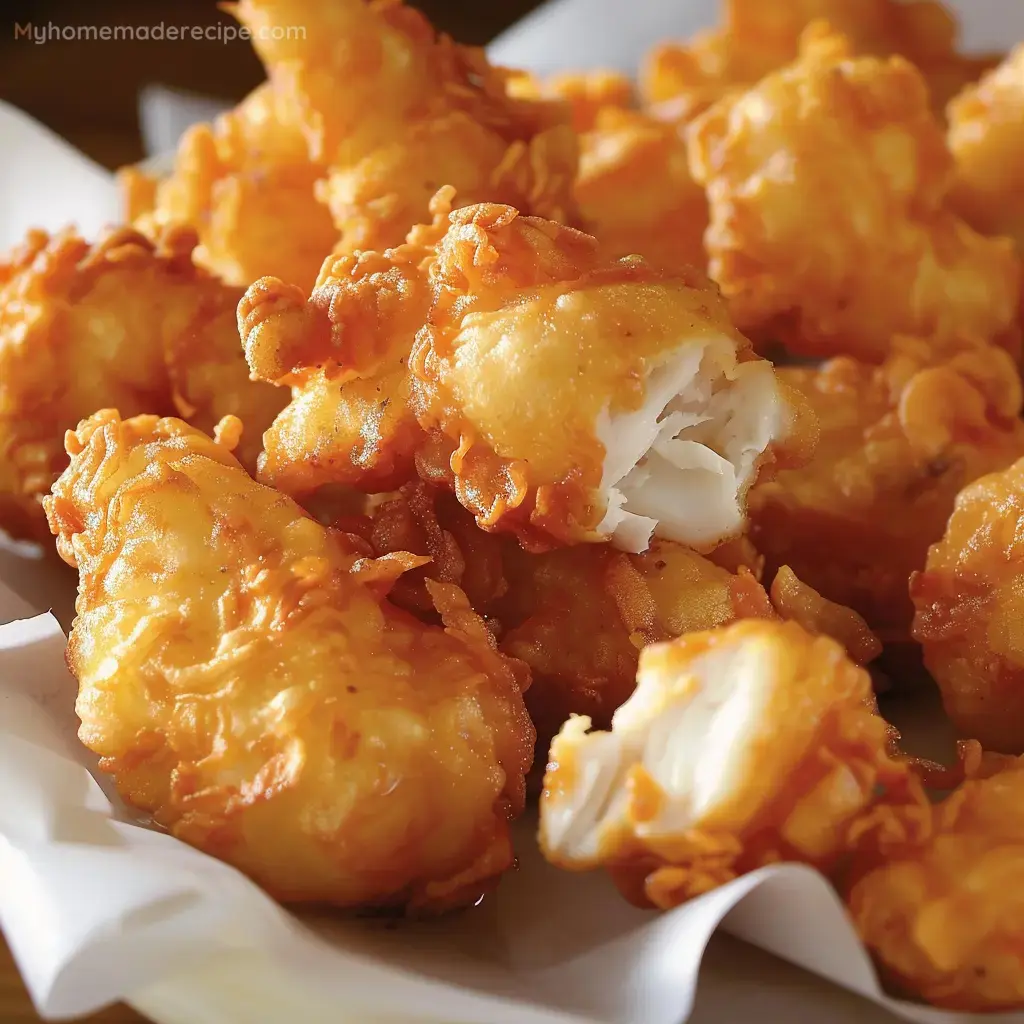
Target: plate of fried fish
[501, 496]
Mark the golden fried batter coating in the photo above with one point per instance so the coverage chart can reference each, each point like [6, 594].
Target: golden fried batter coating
[125, 323]
[396, 111]
[246, 185]
[579, 616]
[635, 191]
[830, 224]
[588, 94]
[760, 36]
[345, 354]
[244, 680]
[542, 365]
[795, 600]
[896, 444]
[741, 746]
[986, 138]
[970, 615]
[564, 396]
[939, 901]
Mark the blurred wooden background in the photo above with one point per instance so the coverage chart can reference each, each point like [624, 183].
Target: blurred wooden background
[87, 92]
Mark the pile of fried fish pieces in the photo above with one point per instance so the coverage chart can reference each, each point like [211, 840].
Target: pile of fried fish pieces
[430, 424]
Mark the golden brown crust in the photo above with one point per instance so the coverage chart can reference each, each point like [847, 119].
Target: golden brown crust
[757, 37]
[244, 680]
[797, 602]
[394, 110]
[986, 138]
[635, 190]
[831, 229]
[589, 94]
[246, 185]
[896, 445]
[127, 322]
[934, 893]
[967, 616]
[792, 785]
[345, 351]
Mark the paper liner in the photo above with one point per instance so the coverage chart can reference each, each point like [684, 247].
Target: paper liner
[46, 183]
[615, 34]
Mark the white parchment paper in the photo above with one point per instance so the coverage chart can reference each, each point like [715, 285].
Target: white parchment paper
[98, 907]
[46, 183]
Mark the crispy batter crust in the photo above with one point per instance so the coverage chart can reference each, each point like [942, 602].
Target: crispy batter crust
[757, 37]
[986, 137]
[126, 322]
[896, 445]
[968, 611]
[831, 229]
[936, 892]
[245, 681]
[790, 785]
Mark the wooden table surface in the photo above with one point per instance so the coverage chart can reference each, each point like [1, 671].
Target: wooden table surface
[87, 92]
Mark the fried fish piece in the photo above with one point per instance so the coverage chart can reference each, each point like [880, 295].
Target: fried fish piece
[590, 610]
[831, 229]
[968, 619]
[562, 395]
[244, 680]
[896, 445]
[585, 399]
[125, 322]
[395, 111]
[344, 353]
[589, 94]
[986, 138]
[578, 617]
[758, 37]
[635, 192]
[740, 747]
[246, 185]
[938, 900]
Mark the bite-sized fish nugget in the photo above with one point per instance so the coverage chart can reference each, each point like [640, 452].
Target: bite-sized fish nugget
[742, 746]
[936, 895]
[897, 442]
[125, 322]
[831, 230]
[564, 396]
[244, 679]
[970, 611]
